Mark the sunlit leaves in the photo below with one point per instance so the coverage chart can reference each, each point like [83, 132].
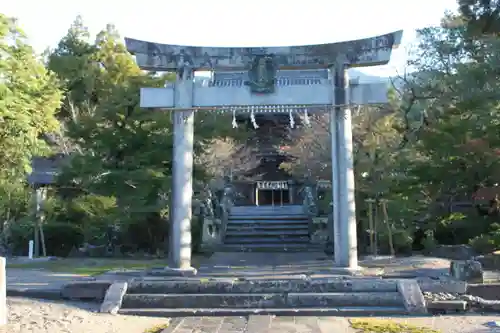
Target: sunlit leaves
[29, 99]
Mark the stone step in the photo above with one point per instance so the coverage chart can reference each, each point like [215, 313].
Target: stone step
[267, 220]
[338, 311]
[446, 306]
[268, 213]
[263, 300]
[269, 206]
[289, 209]
[249, 232]
[263, 239]
[269, 227]
[294, 209]
[269, 247]
[276, 211]
[235, 286]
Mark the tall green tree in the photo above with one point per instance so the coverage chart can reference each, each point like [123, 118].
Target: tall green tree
[482, 16]
[122, 152]
[456, 91]
[29, 101]
[72, 61]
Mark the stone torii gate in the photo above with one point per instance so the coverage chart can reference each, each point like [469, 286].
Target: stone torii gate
[293, 80]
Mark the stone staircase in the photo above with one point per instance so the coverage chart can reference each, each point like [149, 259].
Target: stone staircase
[267, 228]
[341, 296]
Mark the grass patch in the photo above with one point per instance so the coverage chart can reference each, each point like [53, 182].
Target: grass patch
[92, 266]
[387, 326]
[156, 329]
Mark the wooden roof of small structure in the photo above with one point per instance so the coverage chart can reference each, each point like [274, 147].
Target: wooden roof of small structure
[45, 169]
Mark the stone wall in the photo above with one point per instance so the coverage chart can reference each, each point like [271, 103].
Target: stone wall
[454, 252]
[490, 262]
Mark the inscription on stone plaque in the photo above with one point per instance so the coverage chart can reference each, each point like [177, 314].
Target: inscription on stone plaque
[280, 185]
[262, 75]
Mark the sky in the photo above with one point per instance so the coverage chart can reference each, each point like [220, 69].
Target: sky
[234, 23]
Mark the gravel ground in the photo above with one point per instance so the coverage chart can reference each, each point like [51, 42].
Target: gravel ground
[36, 316]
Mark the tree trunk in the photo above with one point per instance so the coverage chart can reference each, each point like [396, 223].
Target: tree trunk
[388, 226]
[371, 227]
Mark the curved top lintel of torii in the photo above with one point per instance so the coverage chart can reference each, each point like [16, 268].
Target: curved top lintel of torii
[356, 53]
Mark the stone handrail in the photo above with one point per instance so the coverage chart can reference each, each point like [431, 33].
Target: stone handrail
[308, 201]
[309, 206]
[225, 205]
[216, 209]
[319, 226]
[207, 205]
[210, 223]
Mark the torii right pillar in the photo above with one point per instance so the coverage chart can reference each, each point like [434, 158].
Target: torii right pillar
[344, 205]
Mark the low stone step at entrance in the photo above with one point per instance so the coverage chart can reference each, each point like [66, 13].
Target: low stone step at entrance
[261, 300]
[233, 297]
[340, 311]
[263, 238]
[234, 286]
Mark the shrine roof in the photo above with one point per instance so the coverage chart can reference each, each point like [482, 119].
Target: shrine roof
[356, 53]
[45, 169]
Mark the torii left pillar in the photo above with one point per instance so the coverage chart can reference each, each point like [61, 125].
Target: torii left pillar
[182, 178]
[344, 207]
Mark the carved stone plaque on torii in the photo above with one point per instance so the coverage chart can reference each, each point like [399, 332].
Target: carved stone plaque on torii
[293, 79]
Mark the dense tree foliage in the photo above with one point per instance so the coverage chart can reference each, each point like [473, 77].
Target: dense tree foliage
[117, 157]
[482, 16]
[29, 100]
[433, 152]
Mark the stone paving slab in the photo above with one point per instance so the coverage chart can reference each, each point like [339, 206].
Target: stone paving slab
[471, 323]
[259, 324]
[39, 278]
[253, 265]
[44, 284]
[238, 265]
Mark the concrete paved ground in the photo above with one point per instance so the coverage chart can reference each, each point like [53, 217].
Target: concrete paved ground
[249, 265]
[40, 279]
[272, 324]
[255, 264]
[259, 324]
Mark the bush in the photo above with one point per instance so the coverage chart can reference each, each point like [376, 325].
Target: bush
[60, 238]
[146, 233]
[20, 234]
[429, 242]
[196, 233]
[486, 243]
[401, 239]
